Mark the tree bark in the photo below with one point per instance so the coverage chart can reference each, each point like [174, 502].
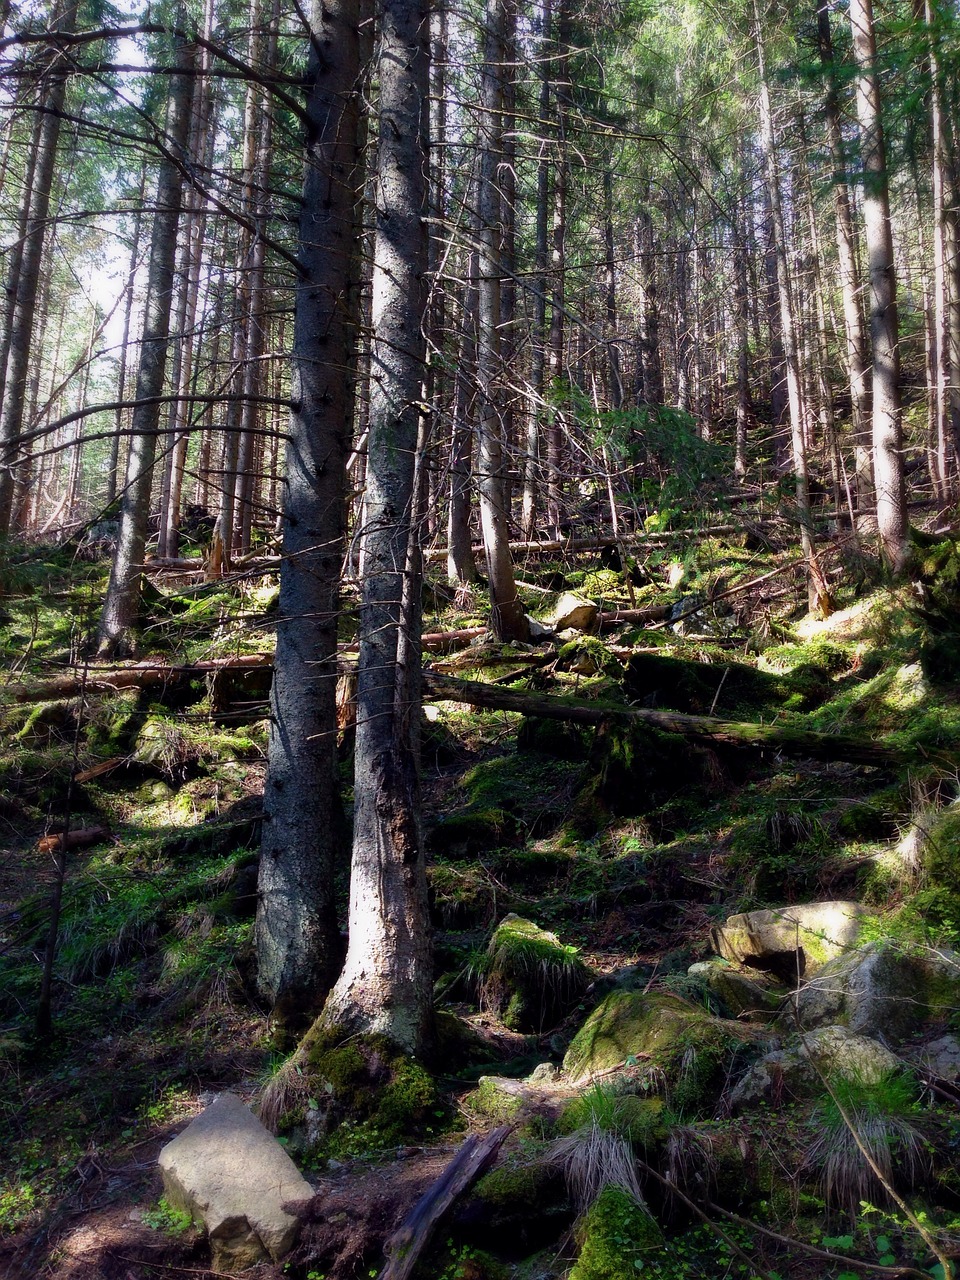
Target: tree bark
[297, 943]
[386, 987]
[856, 337]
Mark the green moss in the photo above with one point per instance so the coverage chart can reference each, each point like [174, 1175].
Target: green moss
[471, 831]
[942, 852]
[588, 655]
[492, 1102]
[343, 1069]
[689, 1051]
[409, 1096]
[514, 1187]
[645, 1122]
[529, 977]
[637, 768]
[559, 738]
[616, 1237]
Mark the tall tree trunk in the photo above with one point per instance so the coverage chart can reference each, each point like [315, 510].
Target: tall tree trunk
[113, 465]
[297, 943]
[538, 355]
[649, 367]
[818, 593]
[386, 985]
[191, 259]
[23, 302]
[461, 566]
[508, 618]
[884, 337]
[856, 336]
[741, 304]
[945, 265]
[121, 605]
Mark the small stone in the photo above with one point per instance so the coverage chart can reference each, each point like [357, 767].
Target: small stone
[227, 1171]
[545, 1073]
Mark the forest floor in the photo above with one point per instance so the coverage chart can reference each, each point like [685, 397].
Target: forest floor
[625, 848]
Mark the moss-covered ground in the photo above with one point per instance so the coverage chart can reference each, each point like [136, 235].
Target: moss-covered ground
[621, 850]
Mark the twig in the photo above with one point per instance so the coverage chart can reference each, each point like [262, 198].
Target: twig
[166, 1266]
[819, 1253]
[864, 1150]
[708, 1221]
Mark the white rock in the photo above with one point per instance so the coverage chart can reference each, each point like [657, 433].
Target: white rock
[792, 941]
[229, 1173]
[575, 613]
[538, 631]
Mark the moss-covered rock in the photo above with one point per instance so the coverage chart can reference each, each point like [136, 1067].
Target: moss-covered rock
[559, 738]
[589, 656]
[883, 989]
[529, 977]
[636, 768]
[493, 1101]
[522, 1197]
[738, 992]
[616, 1237]
[794, 1072]
[687, 1049]
[643, 1121]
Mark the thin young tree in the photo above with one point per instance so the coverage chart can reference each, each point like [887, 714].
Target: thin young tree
[122, 602]
[507, 616]
[884, 328]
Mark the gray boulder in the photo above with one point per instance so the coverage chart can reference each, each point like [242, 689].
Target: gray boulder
[790, 942]
[940, 1058]
[880, 990]
[791, 1072]
[232, 1176]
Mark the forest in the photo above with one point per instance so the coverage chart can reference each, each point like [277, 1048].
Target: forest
[480, 632]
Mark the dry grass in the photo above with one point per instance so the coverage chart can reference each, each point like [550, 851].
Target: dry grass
[593, 1158]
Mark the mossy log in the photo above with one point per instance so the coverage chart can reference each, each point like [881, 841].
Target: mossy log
[143, 675]
[791, 741]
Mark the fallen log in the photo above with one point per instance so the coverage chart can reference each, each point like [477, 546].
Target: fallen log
[82, 838]
[597, 543]
[135, 675]
[408, 1242]
[140, 675]
[791, 741]
[98, 770]
[616, 617]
